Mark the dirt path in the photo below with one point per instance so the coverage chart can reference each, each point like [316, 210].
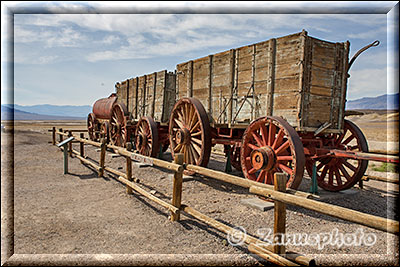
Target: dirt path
[79, 213]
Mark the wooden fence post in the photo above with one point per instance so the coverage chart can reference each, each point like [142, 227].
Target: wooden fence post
[177, 188]
[82, 146]
[128, 174]
[102, 156]
[279, 214]
[70, 144]
[54, 136]
[61, 136]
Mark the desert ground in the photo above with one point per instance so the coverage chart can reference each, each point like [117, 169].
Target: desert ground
[79, 213]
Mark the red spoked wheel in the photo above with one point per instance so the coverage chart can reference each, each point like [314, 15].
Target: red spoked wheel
[271, 145]
[118, 125]
[93, 128]
[105, 130]
[146, 137]
[189, 131]
[336, 174]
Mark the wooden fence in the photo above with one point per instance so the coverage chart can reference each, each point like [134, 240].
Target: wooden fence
[281, 196]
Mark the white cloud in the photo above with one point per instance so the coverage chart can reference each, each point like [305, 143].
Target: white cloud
[46, 59]
[367, 34]
[110, 39]
[367, 82]
[50, 37]
[67, 37]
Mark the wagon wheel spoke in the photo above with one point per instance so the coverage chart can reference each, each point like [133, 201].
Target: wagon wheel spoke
[258, 139]
[330, 176]
[271, 134]
[146, 137]
[261, 176]
[323, 173]
[189, 131]
[342, 173]
[118, 125]
[278, 139]
[234, 152]
[271, 145]
[91, 125]
[337, 176]
[349, 165]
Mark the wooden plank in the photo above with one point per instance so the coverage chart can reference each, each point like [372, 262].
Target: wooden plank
[246, 183]
[264, 253]
[116, 172]
[147, 194]
[157, 162]
[271, 78]
[190, 79]
[210, 91]
[170, 89]
[342, 95]
[248, 239]
[304, 80]
[375, 222]
[288, 64]
[153, 100]
[88, 162]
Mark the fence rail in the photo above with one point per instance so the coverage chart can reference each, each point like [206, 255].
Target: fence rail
[281, 196]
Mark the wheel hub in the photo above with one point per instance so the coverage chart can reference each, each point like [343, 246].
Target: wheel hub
[263, 158]
[183, 136]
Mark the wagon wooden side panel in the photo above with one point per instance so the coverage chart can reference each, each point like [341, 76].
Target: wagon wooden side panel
[298, 77]
[122, 90]
[148, 95]
[132, 97]
[168, 98]
[325, 97]
[164, 95]
[221, 86]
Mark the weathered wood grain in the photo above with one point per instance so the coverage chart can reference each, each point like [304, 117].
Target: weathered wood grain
[297, 76]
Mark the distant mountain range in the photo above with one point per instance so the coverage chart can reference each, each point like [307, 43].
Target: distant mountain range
[8, 113]
[380, 102]
[53, 112]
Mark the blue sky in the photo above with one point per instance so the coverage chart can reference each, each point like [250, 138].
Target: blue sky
[63, 58]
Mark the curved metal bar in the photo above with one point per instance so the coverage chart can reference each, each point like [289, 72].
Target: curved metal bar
[376, 43]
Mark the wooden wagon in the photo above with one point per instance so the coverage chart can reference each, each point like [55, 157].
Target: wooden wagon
[137, 114]
[276, 106]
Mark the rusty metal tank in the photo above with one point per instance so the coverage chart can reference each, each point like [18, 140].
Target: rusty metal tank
[102, 108]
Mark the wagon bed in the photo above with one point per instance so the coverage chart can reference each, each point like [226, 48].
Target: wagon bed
[298, 77]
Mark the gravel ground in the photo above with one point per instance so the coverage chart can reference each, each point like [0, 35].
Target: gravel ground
[79, 213]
